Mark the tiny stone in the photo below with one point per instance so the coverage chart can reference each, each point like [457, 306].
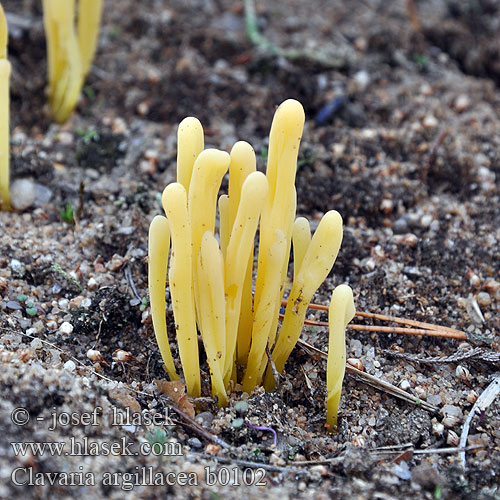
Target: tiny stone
[22, 194]
[42, 195]
[25, 324]
[69, 365]
[86, 303]
[63, 304]
[462, 102]
[92, 284]
[17, 268]
[405, 385]
[14, 305]
[483, 299]
[66, 328]
[194, 442]
[400, 226]
[426, 220]
[434, 399]
[205, 418]
[361, 80]
[430, 121]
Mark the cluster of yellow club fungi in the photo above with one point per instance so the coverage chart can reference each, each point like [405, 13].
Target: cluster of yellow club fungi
[211, 278]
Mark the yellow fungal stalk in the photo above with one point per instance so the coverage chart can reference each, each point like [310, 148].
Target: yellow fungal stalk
[265, 310]
[210, 273]
[278, 214]
[242, 164]
[301, 238]
[89, 20]
[69, 53]
[174, 202]
[314, 268]
[4, 118]
[158, 247]
[209, 168]
[211, 282]
[239, 249]
[340, 312]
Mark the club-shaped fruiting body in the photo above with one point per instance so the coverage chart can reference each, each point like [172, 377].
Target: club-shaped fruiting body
[340, 312]
[158, 248]
[180, 276]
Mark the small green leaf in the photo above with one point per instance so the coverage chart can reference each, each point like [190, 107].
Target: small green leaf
[237, 422]
[22, 297]
[89, 92]
[438, 492]
[31, 311]
[241, 406]
[67, 214]
[144, 304]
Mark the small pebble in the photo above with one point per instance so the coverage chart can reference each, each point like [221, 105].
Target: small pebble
[14, 305]
[430, 121]
[492, 286]
[69, 365]
[205, 418]
[426, 220]
[66, 328]
[194, 442]
[92, 284]
[483, 299]
[361, 80]
[86, 303]
[400, 225]
[17, 268]
[462, 102]
[22, 194]
[405, 385]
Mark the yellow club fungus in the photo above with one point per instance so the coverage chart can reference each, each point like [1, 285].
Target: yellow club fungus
[69, 50]
[239, 249]
[340, 312]
[158, 247]
[180, 276]
[211, 278]
[278, 214]
[208, 169]
[242, 164]
[190, 144]
[211, 307]
[89, 20]
[4, 110]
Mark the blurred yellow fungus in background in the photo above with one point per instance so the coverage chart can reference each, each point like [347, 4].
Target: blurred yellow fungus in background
[4, 115]
[70, 50]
